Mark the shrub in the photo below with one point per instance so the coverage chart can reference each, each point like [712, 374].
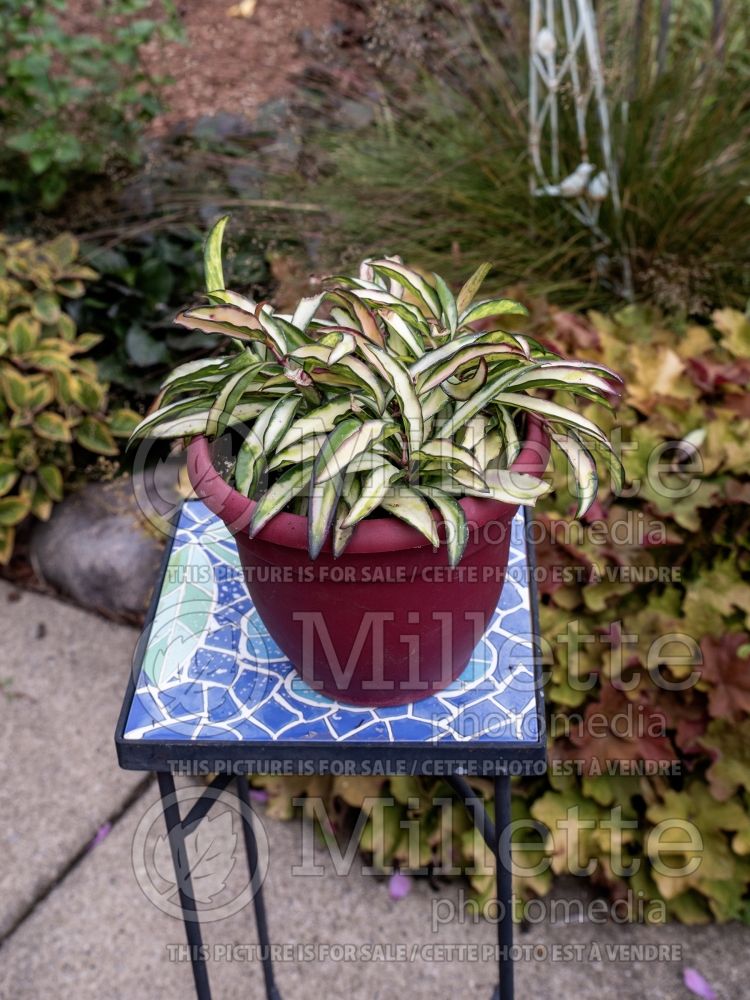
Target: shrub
[669, 558]
[51, 400]
[72, 103]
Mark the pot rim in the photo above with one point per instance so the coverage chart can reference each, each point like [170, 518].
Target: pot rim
[382, 534]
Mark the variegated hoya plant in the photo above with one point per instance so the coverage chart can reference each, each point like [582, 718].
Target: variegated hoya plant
[379, 394]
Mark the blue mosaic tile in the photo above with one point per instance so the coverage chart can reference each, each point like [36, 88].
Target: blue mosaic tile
[211, 671]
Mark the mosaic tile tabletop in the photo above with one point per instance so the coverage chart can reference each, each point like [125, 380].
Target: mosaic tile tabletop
[212, 672]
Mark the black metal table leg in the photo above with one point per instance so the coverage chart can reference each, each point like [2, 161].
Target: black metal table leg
[176, 835]
[256, 887]
[504, 887]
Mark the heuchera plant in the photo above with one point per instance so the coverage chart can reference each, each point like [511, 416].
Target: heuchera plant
[380, 393]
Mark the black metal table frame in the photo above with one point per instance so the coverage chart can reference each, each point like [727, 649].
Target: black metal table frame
[500, 760]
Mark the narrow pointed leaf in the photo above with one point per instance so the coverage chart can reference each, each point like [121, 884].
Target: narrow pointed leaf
[508, 430]
[374, 488]
[409, 506]
[447, 304]
[305, 450]
[212, 266]
[319, 421]
[411, 337]
[493, 307]
[358, 441]
[443, 371]
[472, 286]
[305, 311]
[410, 280]
[552, 411]
[228, 398]
[398, 376]
[324, 495]
[284, 490]
[582, 465]
[449, 453]
[456, 527]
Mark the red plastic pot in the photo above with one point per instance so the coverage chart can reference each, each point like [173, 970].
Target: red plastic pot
[389, 621]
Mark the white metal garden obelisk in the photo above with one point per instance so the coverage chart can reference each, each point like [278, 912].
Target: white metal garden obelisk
[564, 59]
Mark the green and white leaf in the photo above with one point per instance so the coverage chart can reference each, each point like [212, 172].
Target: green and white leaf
[409, 506]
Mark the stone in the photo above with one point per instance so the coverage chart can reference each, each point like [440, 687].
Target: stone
[99, 550]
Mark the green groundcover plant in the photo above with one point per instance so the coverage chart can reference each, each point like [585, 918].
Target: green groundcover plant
[52, 403]
[657, 796]
[384, 392]
[72, 103]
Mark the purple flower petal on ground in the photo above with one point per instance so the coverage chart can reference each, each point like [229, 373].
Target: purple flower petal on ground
[399, 885]
[697, 984]
[259, 795]
[101, 834]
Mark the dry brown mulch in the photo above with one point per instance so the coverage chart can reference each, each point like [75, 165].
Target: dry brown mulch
[224, 63]
[234, 64]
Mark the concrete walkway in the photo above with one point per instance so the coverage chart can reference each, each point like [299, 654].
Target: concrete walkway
[82, 922]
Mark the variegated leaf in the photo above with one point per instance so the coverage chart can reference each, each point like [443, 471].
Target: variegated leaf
[468, 292]
[410, 507]
[456, 527]
[273, 502]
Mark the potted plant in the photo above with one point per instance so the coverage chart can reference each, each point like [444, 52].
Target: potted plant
[369, 452]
